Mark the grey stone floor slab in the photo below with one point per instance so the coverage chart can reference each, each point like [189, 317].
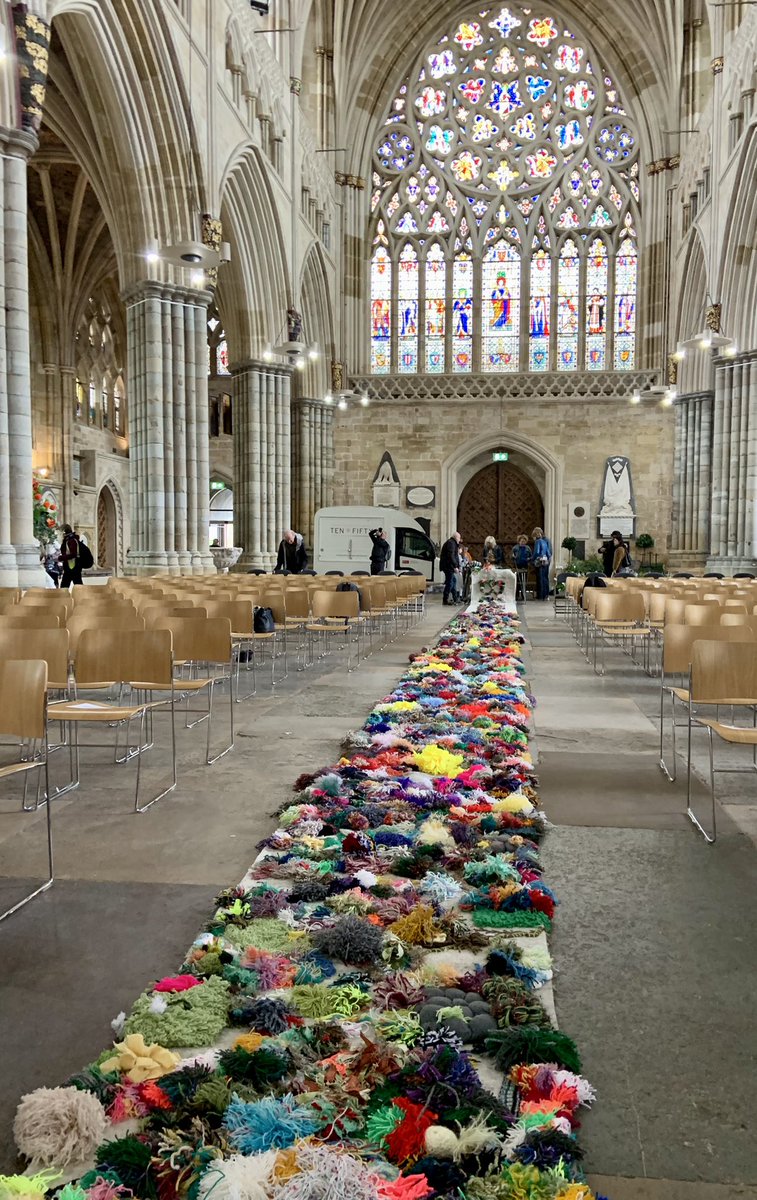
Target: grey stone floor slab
[72, 960]
[654, 947]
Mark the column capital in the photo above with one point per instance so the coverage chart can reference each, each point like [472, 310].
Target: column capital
[18, 143]
[174, 293]
[261, 367]
[312, 402]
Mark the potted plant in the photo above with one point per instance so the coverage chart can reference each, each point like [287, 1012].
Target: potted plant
[569, 544]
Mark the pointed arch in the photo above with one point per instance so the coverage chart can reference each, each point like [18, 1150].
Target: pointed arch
[318, 321]
[695, 373]
[99, 104]
[737, 283]
[255, 289]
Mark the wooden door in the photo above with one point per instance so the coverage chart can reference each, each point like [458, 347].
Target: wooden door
[502, 501]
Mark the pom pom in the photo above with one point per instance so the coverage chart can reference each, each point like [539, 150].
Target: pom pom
[351, 940]
[32, 1187]
[59, 1126]
[268, 1124]
[441, 1142]
[241, 1177]
[528, 1045]
[325, 1173]
[188, 1018]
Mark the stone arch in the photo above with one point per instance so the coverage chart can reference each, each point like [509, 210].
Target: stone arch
[109, 115]
[318, 322]
[254, 292]
[695, 372]
[110, 547]
[737, 284]
[541, 465]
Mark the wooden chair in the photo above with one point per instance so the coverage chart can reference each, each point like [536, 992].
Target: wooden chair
[80, 620]
[677, 641]
[31, 617]
[240, 614]
[142, 664]
[202, 645]
[23, 716]
[335, 614]
[274, 599]
[620, 618]
[721, 675]
[702, 614]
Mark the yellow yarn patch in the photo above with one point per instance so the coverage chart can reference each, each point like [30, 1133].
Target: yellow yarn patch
[435, 760]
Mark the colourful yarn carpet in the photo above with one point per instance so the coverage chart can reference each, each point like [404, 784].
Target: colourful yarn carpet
[368, 1016]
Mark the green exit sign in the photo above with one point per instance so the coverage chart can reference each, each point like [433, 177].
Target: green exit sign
[500, 456]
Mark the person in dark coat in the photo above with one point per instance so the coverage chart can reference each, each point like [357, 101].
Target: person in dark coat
[381, 552]
[71, 556]
[293, 557]
[449, 563]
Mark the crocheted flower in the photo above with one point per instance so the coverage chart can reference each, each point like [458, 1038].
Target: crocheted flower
[138, 1061]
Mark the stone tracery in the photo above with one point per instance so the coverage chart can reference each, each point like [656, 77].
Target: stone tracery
[507, 164]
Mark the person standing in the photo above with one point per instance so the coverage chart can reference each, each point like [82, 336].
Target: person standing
[542, 557]
[293, 557]
[522, 561]
[381, 551]
[449, 563]
[70, 553]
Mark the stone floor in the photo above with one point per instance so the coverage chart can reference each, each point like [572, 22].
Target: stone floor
[655, 957]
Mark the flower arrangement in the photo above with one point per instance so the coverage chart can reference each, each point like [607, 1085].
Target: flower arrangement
[44, 515]
[391, 936]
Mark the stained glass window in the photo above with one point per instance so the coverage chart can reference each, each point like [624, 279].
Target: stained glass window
[502, 159]
[567, 306]
[436, 309]
[500, 334]
[538, 311]
[462, 313]
[625, 305]
[407, 300]
[381, 308]
[596, 306]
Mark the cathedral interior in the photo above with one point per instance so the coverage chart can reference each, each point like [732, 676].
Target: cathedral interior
[497, 265]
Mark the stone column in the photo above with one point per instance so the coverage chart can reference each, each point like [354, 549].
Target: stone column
[262, 461]
[692, 480]
[312, 462]
[19, 551]
[166, 332]
[734, 491]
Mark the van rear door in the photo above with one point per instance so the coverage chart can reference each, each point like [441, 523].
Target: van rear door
[413, 551]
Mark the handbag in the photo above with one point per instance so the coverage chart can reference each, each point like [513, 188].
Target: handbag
[542, 560]
[262, 621]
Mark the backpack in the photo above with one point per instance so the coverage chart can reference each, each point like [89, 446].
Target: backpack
[85, 557]
[262, 621]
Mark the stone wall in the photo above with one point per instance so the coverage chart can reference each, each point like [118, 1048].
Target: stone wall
[440, 443]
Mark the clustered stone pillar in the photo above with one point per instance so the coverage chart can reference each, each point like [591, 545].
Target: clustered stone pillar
[262, 461]
[733, 543]
[166, 333]
[312, 462]
[691, 479]
[19, 552]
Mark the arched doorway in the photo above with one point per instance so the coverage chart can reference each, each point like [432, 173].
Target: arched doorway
[107, 530]
[221, 526]
[500, 500]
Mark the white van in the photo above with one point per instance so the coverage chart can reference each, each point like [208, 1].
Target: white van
[341, 541]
